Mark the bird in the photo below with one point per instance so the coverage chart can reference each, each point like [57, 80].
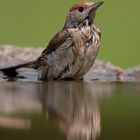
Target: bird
[72, 51]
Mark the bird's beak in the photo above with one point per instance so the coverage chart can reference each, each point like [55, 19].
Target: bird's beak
[93, 8]
[96, 5]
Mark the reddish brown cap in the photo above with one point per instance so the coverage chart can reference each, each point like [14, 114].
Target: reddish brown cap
[81, 4]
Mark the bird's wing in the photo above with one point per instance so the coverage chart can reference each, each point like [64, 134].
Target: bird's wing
[58, 56]
[62, 40]
[57, 41]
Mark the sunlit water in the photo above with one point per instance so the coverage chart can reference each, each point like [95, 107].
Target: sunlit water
[69, 110]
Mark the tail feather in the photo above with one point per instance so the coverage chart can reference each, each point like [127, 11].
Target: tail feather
[11, 71]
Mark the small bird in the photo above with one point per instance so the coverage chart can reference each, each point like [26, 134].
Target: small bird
[72, 51]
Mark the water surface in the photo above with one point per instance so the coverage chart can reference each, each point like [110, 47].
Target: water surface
[69, 110]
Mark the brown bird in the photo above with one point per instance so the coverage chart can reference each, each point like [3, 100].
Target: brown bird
[72, 51]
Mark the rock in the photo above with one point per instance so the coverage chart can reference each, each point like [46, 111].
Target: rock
[101, 70]
[10, 55]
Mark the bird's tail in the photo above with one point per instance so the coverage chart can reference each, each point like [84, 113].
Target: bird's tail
[11, 71]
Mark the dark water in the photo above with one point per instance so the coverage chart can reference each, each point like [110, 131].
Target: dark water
[69, 110]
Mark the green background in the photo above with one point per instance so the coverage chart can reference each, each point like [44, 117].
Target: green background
[34, 22]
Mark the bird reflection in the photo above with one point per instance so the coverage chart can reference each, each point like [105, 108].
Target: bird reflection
[73, 108]
[71, 105]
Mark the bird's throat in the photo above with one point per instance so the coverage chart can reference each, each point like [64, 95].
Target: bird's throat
[87, 22]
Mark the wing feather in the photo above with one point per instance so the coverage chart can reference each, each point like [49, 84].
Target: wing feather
[57, 57]
[57, 41]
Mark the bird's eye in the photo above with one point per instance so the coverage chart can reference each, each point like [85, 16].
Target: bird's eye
[81, 9]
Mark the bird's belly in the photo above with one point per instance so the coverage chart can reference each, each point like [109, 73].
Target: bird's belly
[86, 59]
[82, 65]
[75, 70]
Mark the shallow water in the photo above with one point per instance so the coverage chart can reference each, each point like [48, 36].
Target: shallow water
[69, 110]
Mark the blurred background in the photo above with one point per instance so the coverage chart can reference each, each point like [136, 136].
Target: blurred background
[34, 23]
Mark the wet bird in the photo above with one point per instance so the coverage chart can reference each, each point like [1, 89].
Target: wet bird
[72, 51]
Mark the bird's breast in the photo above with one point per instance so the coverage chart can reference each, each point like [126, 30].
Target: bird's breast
[86, 44]
[86, 40]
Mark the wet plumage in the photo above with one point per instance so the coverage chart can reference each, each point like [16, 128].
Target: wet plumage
[72, 51]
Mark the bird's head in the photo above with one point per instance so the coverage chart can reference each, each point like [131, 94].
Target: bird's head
[81, 13]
